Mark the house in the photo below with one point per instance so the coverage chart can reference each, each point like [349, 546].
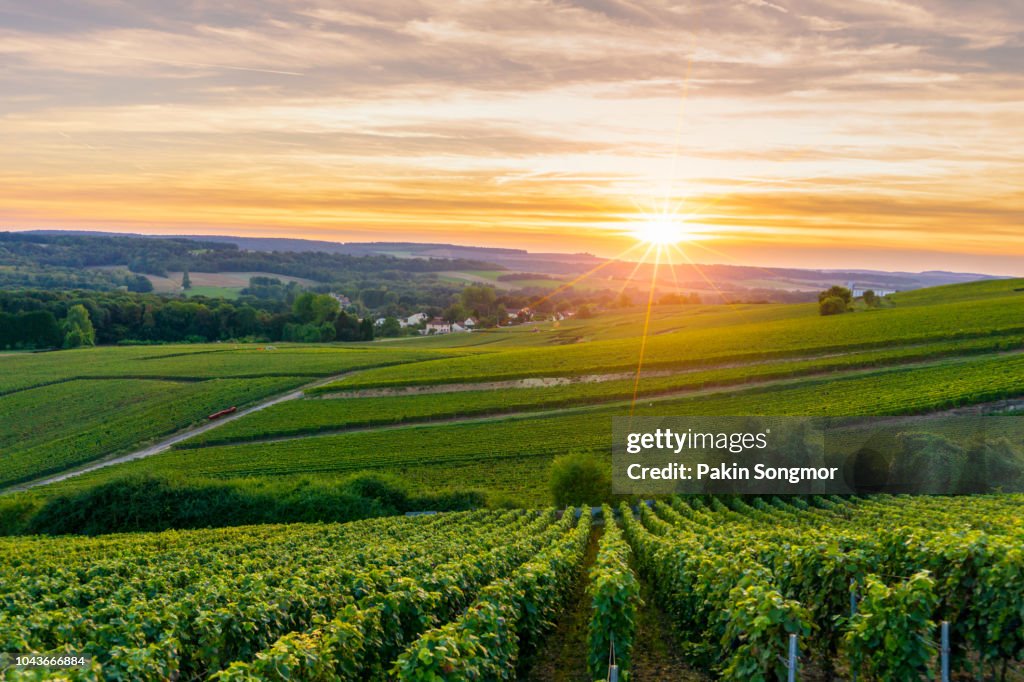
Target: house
[519, 314]
[414, 320]
[379, 322]
[456, 327]
[858, 290]
[342, 300]
[437, 325]
[470, 323]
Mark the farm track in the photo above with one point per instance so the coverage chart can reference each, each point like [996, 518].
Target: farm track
[169, 441]
[591, 406]
[545, 382]
[562, 380]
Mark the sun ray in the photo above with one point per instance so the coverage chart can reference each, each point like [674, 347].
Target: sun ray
[614, 259]
[639, 263]
[672, 269]
[707, 279]
[643, 338]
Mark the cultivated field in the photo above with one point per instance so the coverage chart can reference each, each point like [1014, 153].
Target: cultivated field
[724, 582]
[459, 596]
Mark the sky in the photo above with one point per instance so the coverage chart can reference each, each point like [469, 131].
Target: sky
[883, 134]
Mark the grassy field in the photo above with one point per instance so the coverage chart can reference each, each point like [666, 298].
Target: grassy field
[510, 456]
[216, 283]
[67, 408]
[433, 413]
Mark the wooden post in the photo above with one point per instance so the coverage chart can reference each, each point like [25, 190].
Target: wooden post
[945, 651]
[792, 658]
[853, 612]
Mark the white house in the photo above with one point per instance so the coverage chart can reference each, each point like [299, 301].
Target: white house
[436, 325]
[379, 322]
[456, 327]
[414, 320]
[469, 323]
[858, 290]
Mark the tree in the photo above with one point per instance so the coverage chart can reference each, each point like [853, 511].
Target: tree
[870, 299]
[302, 307]
[346, 327]
[138, 284]
[186, 281]
[366, 329]
[833, 305]
[325, 308]
[585, 312]
[835, 300]
[579, 478]
[78, 329]
[837, 291]
[479, 300]
[391, 327]
[454, 313]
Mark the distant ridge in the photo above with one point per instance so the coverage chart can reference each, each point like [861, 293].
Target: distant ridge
[690, 276]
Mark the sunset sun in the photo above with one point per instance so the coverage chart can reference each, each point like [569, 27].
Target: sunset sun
[661, 230]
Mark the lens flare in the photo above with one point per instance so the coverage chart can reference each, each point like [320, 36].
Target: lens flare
[661, 230]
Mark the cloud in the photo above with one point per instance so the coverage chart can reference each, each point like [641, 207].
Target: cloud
[204, 111]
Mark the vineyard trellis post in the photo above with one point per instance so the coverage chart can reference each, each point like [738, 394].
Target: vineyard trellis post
[792, 658]
[944, 651]
[853, 613]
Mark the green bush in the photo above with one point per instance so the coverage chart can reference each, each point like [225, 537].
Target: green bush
[579, 479]
[152, 503]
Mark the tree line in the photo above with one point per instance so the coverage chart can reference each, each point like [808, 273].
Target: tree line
[158, 256]
[67, 319]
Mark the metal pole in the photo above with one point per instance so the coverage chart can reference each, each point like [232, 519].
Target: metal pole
[613, 673]
[853, 612]
[945, 651]
[792, 658]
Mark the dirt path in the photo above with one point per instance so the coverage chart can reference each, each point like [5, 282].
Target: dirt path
[563, 656]
[169, 441]
[649, 400]
[545, 382]
[549, 381]
[656, 653]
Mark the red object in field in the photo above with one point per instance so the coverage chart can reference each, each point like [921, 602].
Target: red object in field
[218, 415]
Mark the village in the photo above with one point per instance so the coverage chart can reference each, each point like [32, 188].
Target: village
[427, 325]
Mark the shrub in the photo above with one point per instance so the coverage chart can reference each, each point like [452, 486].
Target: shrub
[579, 479]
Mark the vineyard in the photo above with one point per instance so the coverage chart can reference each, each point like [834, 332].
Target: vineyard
[736, 340]
[60, 410]
[472, 595]
[327, 602]
[511, 454]
[862, 583]
[339, 411]
[733, 588]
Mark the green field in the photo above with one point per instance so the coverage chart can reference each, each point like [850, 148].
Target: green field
[468, 420]
[459, 595]
[498, 405]
[68, 408]
[214, 292]
[723, 338]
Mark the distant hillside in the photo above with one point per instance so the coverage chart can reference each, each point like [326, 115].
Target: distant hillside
[331, 261]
